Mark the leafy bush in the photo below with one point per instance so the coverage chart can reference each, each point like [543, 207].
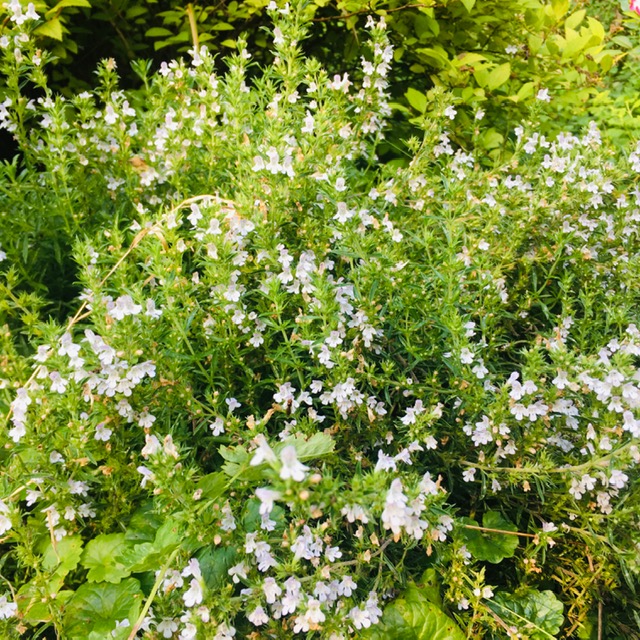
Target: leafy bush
[301, 392]
[498, 52]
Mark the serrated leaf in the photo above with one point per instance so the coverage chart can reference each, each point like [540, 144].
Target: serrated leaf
[212, 485]
[65, 557]
[169, 535]
[100, 557]
[95, 608]
[415, 617]
[318, 445]
[488, 545]
[140, 557]
[536, 613]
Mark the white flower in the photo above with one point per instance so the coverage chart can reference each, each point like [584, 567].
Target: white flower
[151, 447]
[543, 95]
[263, 453]
[450, 112]
[167, 627]
[7, 609]
[124, 306]
[5, 522]
[194, 595]
[217, 426]
[267, 498]
[291, 466]
[102, 433]
[469, 475]
[271, 590]
[466, 357]
[147, 475]
[258, 616]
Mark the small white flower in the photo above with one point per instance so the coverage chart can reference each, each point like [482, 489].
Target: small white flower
[7, 609]
[291, 466]
[258, 617]
[450, 112]
[543, 95]
[194, 595]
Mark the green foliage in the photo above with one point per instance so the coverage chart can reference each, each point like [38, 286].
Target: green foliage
[277, 381]
[537, 613]
[416, 616]
[486, 542]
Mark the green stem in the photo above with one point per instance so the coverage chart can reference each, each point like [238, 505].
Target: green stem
[152, 595]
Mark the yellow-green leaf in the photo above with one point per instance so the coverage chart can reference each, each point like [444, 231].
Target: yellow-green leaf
[51, 29]
[575, 19]
[498, 76]
[416, 99]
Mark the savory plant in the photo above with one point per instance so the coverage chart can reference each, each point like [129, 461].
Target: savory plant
[300, 392]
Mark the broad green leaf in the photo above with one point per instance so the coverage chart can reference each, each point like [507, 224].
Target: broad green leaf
[468, 4]
[70, 3]
[596, 28]
[525, 91]
[35, 606]
[318, 445]
[143, 524]
[575, 19]
[50, 29]
[560, 8]
[430, 587]
[170, 535]
[95, 608]
[537, 614]
[488, 545]
[436, 56]
[416, 99]
[212, 485]
[100, 557]
[215, 563]
[498, 76]
[252, 518]
[491, 139]
[415, 617]
[65, 557]
[157, 32]
[141, 557]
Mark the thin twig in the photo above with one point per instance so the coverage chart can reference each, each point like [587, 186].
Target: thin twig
[507, 533]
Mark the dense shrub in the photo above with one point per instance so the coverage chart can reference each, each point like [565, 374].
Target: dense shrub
[497, 52]
[301, 393]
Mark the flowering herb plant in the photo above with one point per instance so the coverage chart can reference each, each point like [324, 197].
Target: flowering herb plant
[300, 393]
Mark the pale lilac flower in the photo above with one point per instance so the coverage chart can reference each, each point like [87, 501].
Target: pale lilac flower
[258, 617]
[543, 95]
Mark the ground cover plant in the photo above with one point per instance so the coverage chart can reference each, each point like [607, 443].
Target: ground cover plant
[293, 392]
